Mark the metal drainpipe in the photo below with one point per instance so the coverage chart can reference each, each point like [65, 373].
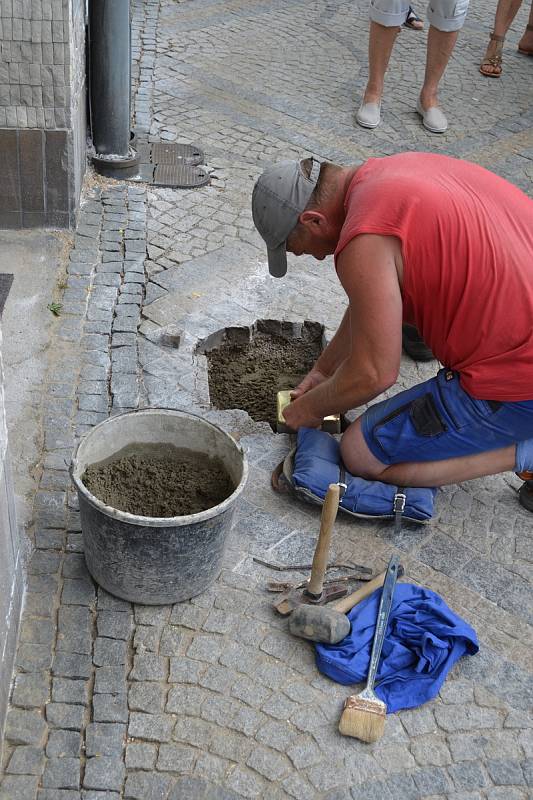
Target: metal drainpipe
[110, 87]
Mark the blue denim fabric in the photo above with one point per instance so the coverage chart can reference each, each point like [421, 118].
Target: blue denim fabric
[437, 419]
[524, 456]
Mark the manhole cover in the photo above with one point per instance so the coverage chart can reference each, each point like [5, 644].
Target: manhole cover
[168, 153]
[248, 366]
[175, 165]
[180, 176]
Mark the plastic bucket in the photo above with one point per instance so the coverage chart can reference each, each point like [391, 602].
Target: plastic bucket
[156, 560]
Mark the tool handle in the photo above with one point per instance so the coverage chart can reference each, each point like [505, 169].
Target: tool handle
[351, 600]
[347, 603]
[320, 558]
[385, 605]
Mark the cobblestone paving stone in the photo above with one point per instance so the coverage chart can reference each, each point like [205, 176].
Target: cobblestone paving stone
[211, 698]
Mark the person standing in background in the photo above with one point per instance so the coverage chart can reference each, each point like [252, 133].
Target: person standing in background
[446, 18]
[506, 11]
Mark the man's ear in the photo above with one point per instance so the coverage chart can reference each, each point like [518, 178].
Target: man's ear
[314, 221]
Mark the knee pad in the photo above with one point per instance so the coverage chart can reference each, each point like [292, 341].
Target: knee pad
[317, 463]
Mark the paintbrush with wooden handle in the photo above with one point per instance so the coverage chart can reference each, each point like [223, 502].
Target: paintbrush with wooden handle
[364, 713]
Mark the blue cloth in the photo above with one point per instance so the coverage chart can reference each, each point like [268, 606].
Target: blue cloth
[424, 640]
[437, 419]
[316, 465]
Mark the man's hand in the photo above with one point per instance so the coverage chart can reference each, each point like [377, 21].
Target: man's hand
[296, 416]
[313, 378]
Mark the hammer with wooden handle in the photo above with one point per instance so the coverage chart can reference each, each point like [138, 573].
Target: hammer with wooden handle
[315, 592]
[330, 624]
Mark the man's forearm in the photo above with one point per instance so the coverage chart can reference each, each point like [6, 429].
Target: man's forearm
[338, 349]
[343, 391]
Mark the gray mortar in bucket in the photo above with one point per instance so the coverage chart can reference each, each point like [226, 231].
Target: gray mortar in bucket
[156, 560]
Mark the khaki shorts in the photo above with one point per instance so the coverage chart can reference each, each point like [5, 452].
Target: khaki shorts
[445, 15]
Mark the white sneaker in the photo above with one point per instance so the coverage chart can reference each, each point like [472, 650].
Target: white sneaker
[369, 115]
[433, 119]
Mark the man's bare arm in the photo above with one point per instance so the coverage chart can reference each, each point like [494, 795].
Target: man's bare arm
[367, 269]
[329, 360]
[338, 349]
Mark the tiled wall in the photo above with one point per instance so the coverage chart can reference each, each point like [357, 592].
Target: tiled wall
[33, 164]
[34, 64]
[42, 111]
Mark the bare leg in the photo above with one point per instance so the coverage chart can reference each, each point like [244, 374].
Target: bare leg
[380, 43]
[526, 42]
[440, 47]
[506, 11]
[360, 461]
[451, 470]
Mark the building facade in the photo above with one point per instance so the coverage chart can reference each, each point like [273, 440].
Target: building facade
[42, 111]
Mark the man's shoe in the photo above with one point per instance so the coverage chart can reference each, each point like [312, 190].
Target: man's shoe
[433, 119]
[525, 495]
[369, 115]
[414, 345]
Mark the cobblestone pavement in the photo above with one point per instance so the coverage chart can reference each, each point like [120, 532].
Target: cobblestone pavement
[211, 698]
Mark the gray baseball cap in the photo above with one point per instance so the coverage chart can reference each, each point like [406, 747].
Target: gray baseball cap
[280, 195]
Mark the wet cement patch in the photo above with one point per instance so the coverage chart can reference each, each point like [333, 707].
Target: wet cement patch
[148, 483]
[249, 375]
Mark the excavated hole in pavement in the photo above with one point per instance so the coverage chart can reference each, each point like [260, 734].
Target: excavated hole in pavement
[248, 366]
[159, 481]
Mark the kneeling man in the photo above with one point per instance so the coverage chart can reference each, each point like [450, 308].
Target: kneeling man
[438, 243]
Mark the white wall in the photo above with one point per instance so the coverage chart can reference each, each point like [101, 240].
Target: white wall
[10, 561]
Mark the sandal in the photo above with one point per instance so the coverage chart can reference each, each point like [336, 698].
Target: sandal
[413, 21]
[495, 62]
[523, 50]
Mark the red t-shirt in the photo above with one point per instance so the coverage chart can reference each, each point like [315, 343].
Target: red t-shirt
[467, 247]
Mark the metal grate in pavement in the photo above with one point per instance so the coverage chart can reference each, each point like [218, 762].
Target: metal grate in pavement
[180, 176]
[179, 166]
[170, 153]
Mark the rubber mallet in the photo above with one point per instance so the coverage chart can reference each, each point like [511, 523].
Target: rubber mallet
[330, 625]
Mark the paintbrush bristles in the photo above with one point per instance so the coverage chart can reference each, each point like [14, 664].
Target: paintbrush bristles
[363, 718]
